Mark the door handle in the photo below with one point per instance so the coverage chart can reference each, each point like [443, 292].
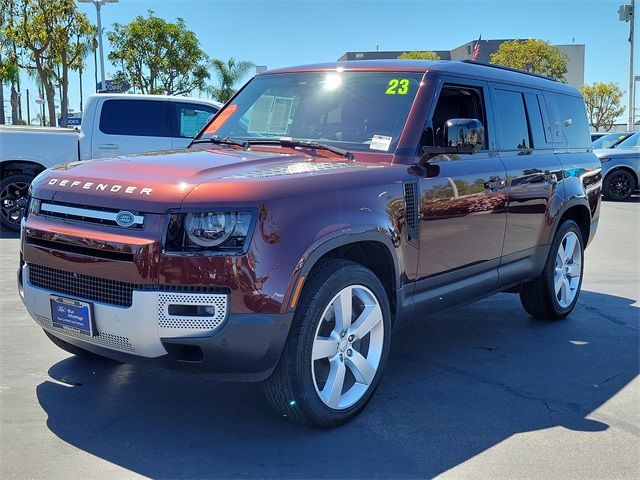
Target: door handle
[494, 183]
[108, 146]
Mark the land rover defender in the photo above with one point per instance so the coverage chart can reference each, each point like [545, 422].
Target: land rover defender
[323, 207]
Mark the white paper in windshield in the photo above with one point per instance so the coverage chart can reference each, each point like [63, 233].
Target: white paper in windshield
[380, 142]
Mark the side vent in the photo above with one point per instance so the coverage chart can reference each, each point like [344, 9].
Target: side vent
[411, 211]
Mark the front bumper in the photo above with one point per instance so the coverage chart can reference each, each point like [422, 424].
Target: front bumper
[241, 347]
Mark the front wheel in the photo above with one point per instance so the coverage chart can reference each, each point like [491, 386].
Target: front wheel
[337, 347]
[554, 294]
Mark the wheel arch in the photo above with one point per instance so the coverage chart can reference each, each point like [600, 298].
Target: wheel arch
[26, 167]
[373, 250]
[580, 213]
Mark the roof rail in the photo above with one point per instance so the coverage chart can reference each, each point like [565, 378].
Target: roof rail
[517, 70]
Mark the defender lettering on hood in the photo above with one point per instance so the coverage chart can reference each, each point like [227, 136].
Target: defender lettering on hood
[100, 186]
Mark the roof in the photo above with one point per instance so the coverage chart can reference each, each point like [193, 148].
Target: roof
[474, 70]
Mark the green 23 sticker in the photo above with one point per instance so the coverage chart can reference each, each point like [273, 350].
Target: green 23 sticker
[398, 86]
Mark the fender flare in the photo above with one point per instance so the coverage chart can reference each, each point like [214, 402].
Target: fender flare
[572, 202]
[322, 246]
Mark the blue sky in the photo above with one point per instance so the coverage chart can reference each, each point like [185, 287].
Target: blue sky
[281, 33]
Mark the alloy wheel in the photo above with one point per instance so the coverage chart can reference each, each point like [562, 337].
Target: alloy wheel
[568, 269]
[347, 347]
[621, 185]
[13, 201]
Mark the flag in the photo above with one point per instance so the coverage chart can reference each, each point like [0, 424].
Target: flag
[476, 49]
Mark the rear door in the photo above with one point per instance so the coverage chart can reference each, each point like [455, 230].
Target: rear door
[533, 172]
[127, 126]
[186, 120]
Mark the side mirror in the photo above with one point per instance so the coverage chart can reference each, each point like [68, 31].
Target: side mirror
[467, 134]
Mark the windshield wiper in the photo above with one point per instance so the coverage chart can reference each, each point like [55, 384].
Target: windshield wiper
[223, 141]
[292, 143]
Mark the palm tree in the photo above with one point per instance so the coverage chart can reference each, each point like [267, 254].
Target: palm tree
[228, 74]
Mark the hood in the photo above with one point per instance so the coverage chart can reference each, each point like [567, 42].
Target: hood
[155, 182]
[616, 152]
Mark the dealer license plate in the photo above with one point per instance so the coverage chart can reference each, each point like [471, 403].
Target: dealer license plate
[72, 315]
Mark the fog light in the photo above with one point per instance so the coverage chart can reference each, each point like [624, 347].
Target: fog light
[192, 310]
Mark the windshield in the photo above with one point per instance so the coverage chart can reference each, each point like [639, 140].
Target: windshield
[609, 141]
[350, 110]
[632, 142]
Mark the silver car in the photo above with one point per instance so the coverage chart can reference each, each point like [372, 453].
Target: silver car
[620, 168]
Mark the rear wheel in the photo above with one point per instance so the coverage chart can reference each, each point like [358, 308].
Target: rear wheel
[337, 347]
[14, 192]
[618, 185]
[554, 294]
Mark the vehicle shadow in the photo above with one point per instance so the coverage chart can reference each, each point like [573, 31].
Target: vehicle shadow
[456, 384]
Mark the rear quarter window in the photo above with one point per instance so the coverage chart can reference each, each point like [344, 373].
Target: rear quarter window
[569, 124]
[144, 118]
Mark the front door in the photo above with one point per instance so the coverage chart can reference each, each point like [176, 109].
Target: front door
[462, 203]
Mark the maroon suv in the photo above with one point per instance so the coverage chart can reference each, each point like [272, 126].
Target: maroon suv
[323, 207]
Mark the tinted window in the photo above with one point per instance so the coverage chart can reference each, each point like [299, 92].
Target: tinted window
[191, 117]
[456, 102]
[512, 120]
[569, 120]
[134, 117]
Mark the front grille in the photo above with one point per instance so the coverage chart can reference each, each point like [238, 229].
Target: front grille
[101, 290]
[87, 214]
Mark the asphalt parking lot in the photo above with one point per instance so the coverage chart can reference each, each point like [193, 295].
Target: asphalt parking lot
[482, 391]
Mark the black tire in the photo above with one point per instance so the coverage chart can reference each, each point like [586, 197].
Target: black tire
[538, 297]
[619, 185]
[79, 352]
[13, 200]
[291, 389]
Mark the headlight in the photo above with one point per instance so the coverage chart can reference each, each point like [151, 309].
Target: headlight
[223, 231]
[33, 208]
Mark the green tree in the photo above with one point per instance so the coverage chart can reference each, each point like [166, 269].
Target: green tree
[228, 74]
[158, 56]
[53, 34]
[420, 56]
[534, 56]
[603, 102]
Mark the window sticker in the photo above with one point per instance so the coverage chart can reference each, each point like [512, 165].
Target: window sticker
[380, 142]
[221, 118]
[270, 114]
[259, 114]
[398, 86]
[280, 115]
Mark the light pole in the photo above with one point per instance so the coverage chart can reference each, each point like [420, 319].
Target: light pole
[626, 13]
[98, 4]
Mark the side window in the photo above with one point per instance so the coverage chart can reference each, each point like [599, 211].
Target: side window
[536, 122]
[456, 102]
[190, 118]
[512, 123]
[568, 120]
[143, 118]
